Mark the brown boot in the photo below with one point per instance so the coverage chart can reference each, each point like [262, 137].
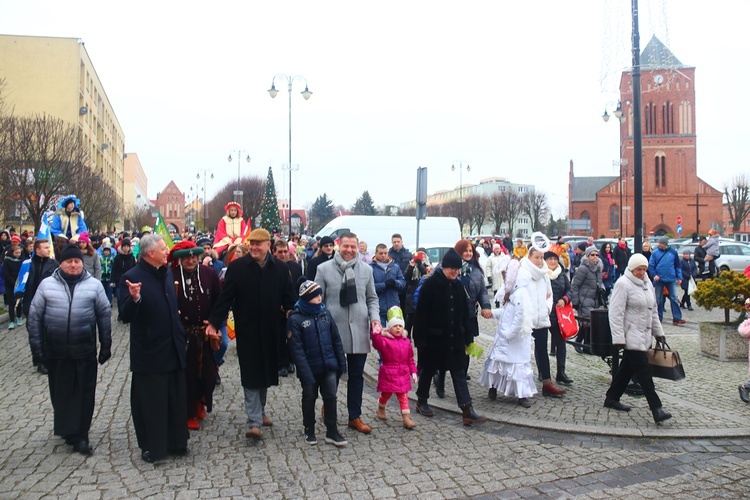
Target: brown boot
[408, 423]
[551, 390]
[381, 412]
[471, 417]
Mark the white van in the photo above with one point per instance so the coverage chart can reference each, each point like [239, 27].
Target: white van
[374, 229]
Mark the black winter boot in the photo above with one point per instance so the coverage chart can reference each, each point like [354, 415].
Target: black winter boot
[470, 416]
[439, 380]
[424, 409]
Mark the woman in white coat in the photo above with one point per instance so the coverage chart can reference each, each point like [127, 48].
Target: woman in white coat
[634, 321]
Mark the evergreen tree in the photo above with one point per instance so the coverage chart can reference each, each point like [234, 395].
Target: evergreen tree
[364, 205]
[321, 213]
[269, 207]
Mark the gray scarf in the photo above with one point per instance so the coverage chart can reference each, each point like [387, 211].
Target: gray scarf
[348, 293]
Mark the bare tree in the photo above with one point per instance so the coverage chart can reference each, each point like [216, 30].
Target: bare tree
[496, 211]
[513, 206]
[536, 206]
[737, 198]
[40, 159]
[478, 207]
[137, 216]
[252, 188]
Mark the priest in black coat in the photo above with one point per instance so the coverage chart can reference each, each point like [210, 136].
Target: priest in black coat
[157, 353]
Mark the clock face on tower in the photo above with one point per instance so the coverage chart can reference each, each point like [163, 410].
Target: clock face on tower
[658, 79]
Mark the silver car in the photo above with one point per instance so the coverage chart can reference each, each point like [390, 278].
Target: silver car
[734, 256]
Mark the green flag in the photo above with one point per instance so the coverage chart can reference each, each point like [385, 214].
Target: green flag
[161, 228]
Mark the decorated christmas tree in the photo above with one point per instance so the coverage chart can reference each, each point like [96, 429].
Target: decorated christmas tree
[269, 208]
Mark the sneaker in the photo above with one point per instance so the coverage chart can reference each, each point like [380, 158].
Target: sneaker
[11, 325]
[20, 322]
[690, 308]
[333, 437]
[310, 437]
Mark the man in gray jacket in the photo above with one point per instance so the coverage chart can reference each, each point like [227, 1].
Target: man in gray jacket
[349, 293]
[67, 309]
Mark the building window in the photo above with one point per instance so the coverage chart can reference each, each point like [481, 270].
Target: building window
[667, 117]
[585, 215]
[660, 169]
[650, 118]
[614, 217]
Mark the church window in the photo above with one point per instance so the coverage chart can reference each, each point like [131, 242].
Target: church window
[660, 169]
[650, 118]
[614, 217]
[668, 117]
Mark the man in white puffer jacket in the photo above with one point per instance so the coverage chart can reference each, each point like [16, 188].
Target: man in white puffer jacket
[634, 321]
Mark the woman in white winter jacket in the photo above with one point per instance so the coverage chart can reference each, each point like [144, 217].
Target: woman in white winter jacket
[634, 321]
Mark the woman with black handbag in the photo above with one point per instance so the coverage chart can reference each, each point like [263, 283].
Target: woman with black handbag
[634, 321]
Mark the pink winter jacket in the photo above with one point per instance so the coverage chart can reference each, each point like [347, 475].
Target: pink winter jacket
[397, 356]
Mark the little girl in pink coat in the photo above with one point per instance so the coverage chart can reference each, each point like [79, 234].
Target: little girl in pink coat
[397, 368]
[744, 330]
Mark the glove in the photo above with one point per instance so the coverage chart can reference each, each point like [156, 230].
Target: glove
[390, 282]
[104, 355]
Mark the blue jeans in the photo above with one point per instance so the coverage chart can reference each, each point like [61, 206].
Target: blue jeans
[355, 367]
[219, 355]
[675, 304]
[107, 290]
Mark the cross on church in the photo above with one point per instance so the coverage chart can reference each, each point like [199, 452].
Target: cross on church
[697, 206]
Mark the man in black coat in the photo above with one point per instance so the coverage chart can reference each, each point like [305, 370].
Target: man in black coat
[42, 266]
[441, 335]
[157, 353]
[257, 286]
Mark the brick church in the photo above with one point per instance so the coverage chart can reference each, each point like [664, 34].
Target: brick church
[671, 186]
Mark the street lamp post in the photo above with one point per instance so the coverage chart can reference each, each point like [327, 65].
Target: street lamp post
[460, 191]
[617, 113]
[238, 192]
[306, 94]
[206, 172]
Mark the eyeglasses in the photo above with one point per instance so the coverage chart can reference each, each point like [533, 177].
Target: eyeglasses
[594, 255]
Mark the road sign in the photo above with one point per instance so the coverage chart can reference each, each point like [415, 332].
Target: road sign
[679, 219]
[679, 228]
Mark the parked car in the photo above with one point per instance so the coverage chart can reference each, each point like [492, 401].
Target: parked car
[735, 256]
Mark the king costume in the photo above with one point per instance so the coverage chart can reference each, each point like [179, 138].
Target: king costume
[230, 230]
[197, 291]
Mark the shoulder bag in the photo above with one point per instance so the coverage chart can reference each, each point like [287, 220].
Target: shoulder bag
[567, 321]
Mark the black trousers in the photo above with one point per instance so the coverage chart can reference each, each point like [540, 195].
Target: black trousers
[559, 344]
[72, 390]
[157, 402]
[328, 384]
[457, 363]
[634, 364]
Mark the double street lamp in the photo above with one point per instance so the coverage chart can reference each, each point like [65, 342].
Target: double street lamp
[460, 191]
[306, 94]
[238, 192]
[206, 173]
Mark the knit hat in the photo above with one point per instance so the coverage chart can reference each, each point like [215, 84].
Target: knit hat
[84, 237]
[590, 250]
[712, 232]
[308, 289]
[551, 255]
[70, 251]
[125, 242]
[496, 246]
[582, 246]
[452, 260]
[664, 240]
[259, 234]
[15, 239]
[395, 317]
[326, 240]
[637, 260]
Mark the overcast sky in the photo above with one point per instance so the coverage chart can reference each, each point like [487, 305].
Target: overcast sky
[514, 89]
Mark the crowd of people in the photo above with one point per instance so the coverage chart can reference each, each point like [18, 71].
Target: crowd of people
[317, 307]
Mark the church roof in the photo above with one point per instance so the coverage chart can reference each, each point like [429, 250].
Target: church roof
[585, 188]
[656, 55]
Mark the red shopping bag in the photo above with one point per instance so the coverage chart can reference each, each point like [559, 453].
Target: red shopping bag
[567, 321]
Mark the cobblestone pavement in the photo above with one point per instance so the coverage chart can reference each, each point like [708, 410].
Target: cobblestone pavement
[556, 449]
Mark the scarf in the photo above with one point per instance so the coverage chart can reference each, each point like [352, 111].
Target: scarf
[348, 294]
[464, 276]
[309, 309]
[536, 272]
[554, 274]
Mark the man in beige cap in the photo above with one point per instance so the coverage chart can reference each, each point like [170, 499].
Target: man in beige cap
[256, 287]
